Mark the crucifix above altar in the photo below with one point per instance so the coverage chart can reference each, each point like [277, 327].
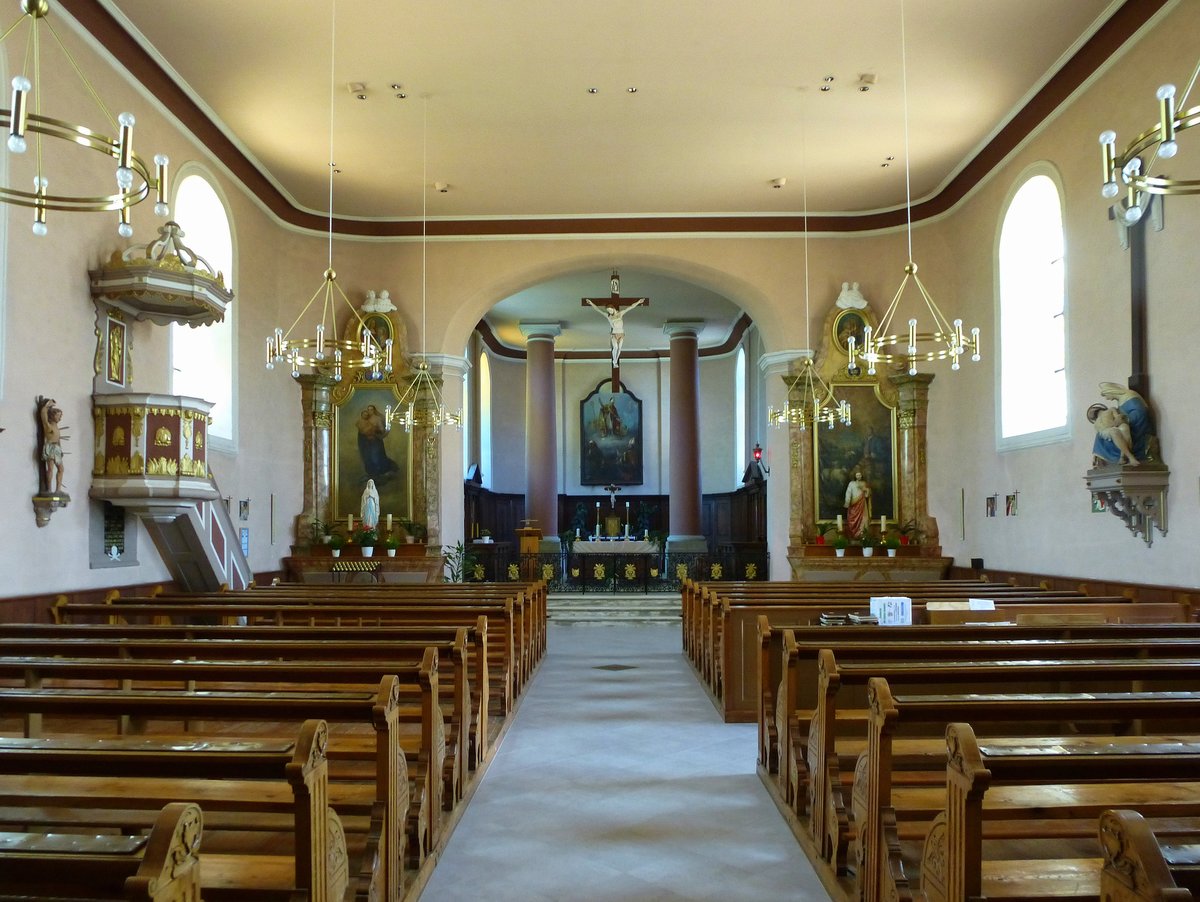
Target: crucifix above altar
[613, 308]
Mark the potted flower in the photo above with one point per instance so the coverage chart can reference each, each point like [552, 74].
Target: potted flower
[892, 543]
[485, 536]
[365, 539]
[335, 544]
[391, 543]
[321, 531]
[839, 543]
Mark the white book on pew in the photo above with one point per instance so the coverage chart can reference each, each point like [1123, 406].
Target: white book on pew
[892, 610]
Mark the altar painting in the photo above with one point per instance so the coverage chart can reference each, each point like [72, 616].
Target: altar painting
[610, 437]
[868, 446]
[363, 448]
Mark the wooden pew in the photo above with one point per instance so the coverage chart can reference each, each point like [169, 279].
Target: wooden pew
[377, 708]
[1138, 869]
[159, 867]
[289, 778]
[1040, 784]
[886, 809]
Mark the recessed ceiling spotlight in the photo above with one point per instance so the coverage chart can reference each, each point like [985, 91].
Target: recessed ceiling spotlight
[778, 183]
[395, 86]
[400, 95]
[631, 90]
[593, 90]
[441, 187]
[828, 79]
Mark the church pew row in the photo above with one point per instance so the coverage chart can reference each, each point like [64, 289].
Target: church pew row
[891, 813]
[372, 776]
[735, 645]
[303, 643]
[991, 642]
[303, 852]
[987, 784]
[376, 618]
[824, 764]
[28, 662]
[1137, 868]
[161, 866]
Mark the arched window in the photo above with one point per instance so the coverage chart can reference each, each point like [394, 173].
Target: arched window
[202, 357]
[1032, 314]
[739, 417]
[485, 419]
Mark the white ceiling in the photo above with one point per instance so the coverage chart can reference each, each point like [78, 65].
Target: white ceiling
[498, 106]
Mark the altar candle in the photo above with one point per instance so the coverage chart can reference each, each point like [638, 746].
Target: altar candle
[839, 526]
[350, 522]
[389, 522]
[882, 524]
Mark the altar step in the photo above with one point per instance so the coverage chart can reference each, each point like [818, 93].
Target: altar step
[599, 608]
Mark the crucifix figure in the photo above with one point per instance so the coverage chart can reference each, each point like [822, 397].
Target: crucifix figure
[613, 308]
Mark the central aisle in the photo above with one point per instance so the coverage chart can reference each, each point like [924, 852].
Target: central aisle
[617, 780]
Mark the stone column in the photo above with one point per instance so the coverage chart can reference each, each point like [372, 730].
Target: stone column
[541, 427]
[318, 450]
[684, 462]
[912, 419]
[791, 502]
[437, 457]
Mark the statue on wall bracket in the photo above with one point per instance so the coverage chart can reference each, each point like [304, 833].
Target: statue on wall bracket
[1127, 476]
[50, 435]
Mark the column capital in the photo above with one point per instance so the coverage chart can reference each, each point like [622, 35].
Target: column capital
[535, 331]
[447, 364]
[683, 328]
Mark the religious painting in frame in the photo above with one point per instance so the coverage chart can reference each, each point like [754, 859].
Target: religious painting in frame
[364, 448]
[867, 446]
[846, 324]
[117, 348]
[610, 437]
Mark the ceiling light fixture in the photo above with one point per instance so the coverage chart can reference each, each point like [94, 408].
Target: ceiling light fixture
[421, 405]
[135, 180]
[947, 340]
[324, 351]
[1160, 142]
[816, 403]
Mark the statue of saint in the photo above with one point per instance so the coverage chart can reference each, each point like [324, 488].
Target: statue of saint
[858, 506]
[368, 508]
[1125, 434]
[49, 415]
[851, 298]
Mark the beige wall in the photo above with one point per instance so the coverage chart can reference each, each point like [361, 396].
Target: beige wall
[49, 344]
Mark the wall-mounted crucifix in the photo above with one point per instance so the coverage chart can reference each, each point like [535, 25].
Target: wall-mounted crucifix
[613, 308]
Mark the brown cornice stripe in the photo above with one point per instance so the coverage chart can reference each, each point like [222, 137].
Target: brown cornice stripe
[500, 349]
[1107, 40]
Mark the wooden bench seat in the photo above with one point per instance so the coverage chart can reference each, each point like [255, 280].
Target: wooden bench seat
[409, 806]
[287, 778]
[161, 866]
[986, 782]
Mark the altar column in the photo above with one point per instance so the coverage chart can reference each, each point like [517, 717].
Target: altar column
[684, 465]
[541, 427]
[912, 424]
[316, 405]
[790, 499]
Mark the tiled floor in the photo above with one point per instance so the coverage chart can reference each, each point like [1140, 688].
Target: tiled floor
[618, 781]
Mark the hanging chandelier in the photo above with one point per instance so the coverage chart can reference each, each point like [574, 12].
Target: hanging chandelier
[1160, 143]
[135, 181]
[327, 348]
[421, 405]
[817, 404]
[946, 339]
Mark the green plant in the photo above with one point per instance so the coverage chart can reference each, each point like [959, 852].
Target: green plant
[913, 531]
[366, 538]
[892, 542]
[336, 540]
[392, 541]
[567, 539]
[320, 528]
[458, 562]
[839, 541]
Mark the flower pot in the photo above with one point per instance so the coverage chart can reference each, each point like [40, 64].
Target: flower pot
[368, 551]
[840, 552]
[391, 552]
[409, 539]
[892, 552]
[336, 552]
[868, 551]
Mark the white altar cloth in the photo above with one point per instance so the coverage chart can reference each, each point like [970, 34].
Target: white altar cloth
[615, 546]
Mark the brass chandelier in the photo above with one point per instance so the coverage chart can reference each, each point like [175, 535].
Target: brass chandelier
[817, 404]
[326, 350]
[421, 405]
[946, 340]
[1130, 168]
[135, 181]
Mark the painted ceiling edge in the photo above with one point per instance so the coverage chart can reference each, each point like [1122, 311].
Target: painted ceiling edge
[500, 349]
[1107, 40]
